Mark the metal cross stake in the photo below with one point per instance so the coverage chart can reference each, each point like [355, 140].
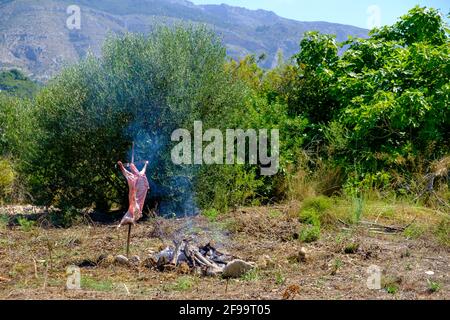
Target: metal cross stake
[138, 187]
[130, 225]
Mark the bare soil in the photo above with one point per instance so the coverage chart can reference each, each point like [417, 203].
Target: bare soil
[33, 262]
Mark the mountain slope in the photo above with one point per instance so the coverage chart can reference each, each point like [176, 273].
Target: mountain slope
[35, 38]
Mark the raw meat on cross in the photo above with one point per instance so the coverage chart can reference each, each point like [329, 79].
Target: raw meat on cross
[138, 187]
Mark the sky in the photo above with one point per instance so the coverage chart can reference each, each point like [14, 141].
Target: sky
[360, 13]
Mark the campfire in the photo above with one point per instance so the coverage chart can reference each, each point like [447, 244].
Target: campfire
[204, 260]
[183, 255]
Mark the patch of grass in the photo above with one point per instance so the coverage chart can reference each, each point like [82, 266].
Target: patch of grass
[310, 216]
[351, 248]
[319, 205]
[182, 284]
[391, 284]
[25, 224]
[433, 286]
[442, 232]
[280, 279]
[252, 275]
[392, 288]
[309, 234]
[388, 213]
[211, 214]
[4, 221]
[414, 231]
[275, 214]
[89, 283]
[358, 209]
[67, 217]
[337, 264]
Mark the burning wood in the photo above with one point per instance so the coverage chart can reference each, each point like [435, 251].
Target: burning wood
[206, 259]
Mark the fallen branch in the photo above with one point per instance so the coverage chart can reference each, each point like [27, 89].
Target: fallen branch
[387, 229]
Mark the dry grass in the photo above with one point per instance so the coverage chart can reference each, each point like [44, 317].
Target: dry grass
[34, 262]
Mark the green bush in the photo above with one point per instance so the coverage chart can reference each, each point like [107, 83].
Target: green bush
[314, 211]
[14, 82]
[7, 176]
[211, 214]
[319, 204]
[433, 286]
[442, 231]
[226, 187]
[309, 233]
[141, 90]
[25, 224]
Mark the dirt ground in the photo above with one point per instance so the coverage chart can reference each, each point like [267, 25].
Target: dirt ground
[33, 261]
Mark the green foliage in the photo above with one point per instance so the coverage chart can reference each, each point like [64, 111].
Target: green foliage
[319, 204]
[391, 284]
[15, 83]
[419, 25]
[141, 90]
[394, 91]
[66, 217]
[252, 275]
[25, 224]
[433, 286]
[7, 175]
[351, 248]
[414, 231]
[89, 283]
[4, 220]
[280, 279]
[13, 136]
[392, 288]
[337, 264]
[314, 211]
[442, 231]
[182, 284]
[211, 214]
[375, 117]
[309, 233]
[225, 187]
[358, 209]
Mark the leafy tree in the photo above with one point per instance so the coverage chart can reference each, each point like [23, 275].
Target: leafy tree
[141, 90]
[14, 82]
[394, 91]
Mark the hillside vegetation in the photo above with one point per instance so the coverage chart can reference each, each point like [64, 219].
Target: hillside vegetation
[35, 37]
[372, 122]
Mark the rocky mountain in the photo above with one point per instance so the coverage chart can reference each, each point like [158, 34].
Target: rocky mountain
[35, 35]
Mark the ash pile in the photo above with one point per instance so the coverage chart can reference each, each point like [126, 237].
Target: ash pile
[205, 260]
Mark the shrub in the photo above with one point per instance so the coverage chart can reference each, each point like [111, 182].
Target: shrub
[433, 286]
[25, 224]
[66, 217]
[211, 214]
[316, 211]
[442, 231]
[141, 90]
[252, 275]
[309, 234]
[351, 248]
[4, 220]
[7, 176]
[182, 284]
[319, 204]
[414, 231]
